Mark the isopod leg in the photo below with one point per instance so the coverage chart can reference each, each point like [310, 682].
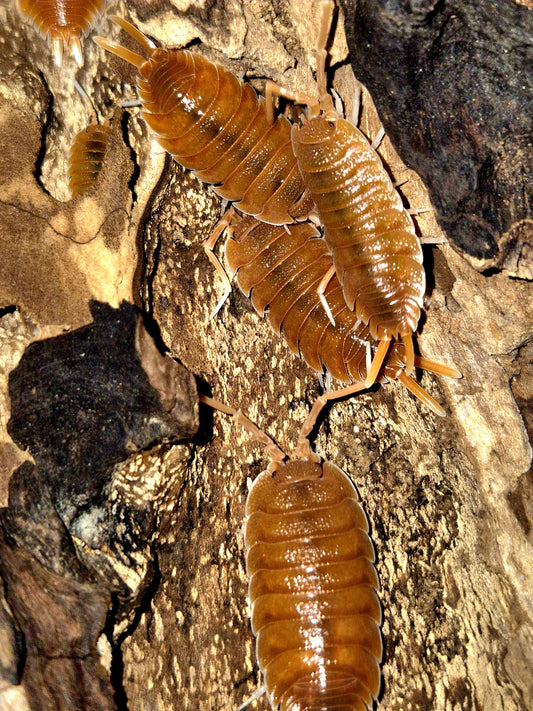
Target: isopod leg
[399, 183]
[433, 239]
[272, 89]
[209, 246]
[256, 695]
[419, 210]
[421, 394]
[368, 356]
[380, 135]
[275, 454]
[409, 354]
[381, 352]
[130, 103]
[339, 108]
[322, 288]
[303, 448]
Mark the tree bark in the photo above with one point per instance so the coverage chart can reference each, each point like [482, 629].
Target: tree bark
[449, 500]
[452, 82]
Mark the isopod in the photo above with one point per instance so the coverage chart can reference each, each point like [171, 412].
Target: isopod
[376, 253]
[64, 21]
[87, 156]
[217, 126]
[312, 581]
[279, 268]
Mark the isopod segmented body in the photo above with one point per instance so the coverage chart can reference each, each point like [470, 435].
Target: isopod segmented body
[63, 20]
[376, 252]
[87, 156]
[279, 269]
[315, 610]
[217, 126]
[312, 581]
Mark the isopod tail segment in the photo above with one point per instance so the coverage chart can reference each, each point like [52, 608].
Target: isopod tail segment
[313, 585]
[64, 21]
[372, 237]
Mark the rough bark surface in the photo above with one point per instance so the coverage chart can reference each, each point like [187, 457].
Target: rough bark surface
[76, 531]
[452, 82]
[450, 501]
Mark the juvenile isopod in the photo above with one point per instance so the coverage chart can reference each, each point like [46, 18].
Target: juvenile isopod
[64, 21]
[217, 126]
[376, 252]
[312, 582]
[279, 268]
[87, 156]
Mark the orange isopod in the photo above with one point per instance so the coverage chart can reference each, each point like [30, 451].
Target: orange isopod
[376, 253]
[315, 610]
[87, 156]
[63, 20]
[279, 268]
[217, 126]
[313, 585]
